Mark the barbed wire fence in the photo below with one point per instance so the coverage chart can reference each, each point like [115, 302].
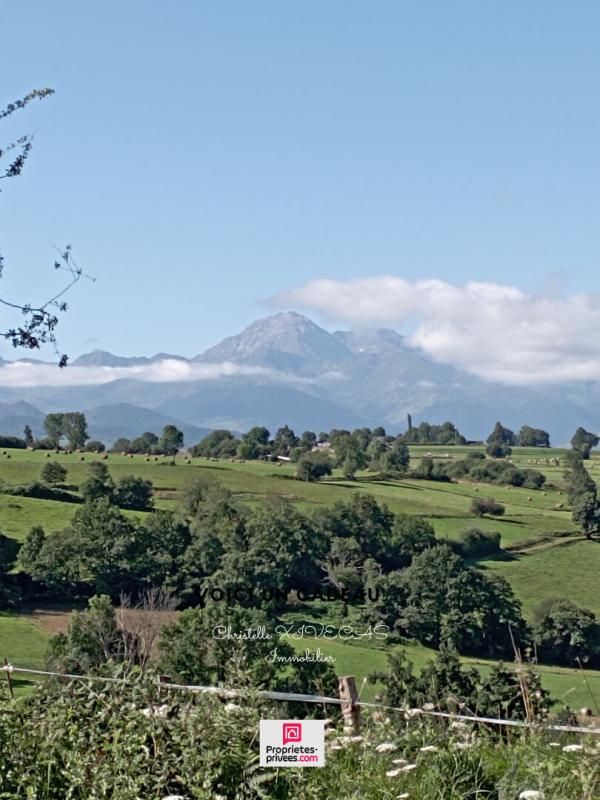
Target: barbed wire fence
[348, 700]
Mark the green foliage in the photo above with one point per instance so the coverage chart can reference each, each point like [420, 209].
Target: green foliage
[533, 437]
[255, 443]
[98, 484]
[475, 543]
[447, 603]
[171, 440]
[482, 506]
[27, 436]
[94, 446]
[133, 492]
[566, 634]
[425, 433]
[70, 425]
[445, 684]
[91, 640]
[501, 435]
[13, 442]
[313, 466]
[53, 472]
[497, 449]
[218, 444]
[583, 441]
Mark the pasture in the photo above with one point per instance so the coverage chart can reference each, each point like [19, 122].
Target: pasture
[546, 557]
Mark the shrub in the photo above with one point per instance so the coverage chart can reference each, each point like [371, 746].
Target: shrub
[475, 543]
[486, 505]
[53, 472]
[313, 466]
[41, 491]
[134, 493]
[94, 446]
[13, 441]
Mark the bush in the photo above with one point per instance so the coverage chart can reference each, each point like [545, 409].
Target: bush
[313, 466]
[13, 441]
[53, 472]
[498, 450]
[134, 493]
[94, 446]
[475, 543]
[41, 491]
[486, 505]
[42, 444]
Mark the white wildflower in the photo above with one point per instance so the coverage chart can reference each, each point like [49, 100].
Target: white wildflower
[429, 748]
[232, 707]
[428, 707]
[553, 744]
[573, 748]
[156, 711]
[400, 761]
[409, 768]
[531, 794]
[393, 773]
[402, 796]
[174, 797]
[386, 747]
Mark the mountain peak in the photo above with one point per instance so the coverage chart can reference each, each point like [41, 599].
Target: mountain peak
[286, 341]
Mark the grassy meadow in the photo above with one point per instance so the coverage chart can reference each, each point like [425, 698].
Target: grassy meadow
[545, 556]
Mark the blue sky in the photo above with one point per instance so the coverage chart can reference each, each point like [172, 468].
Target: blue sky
[203, 157]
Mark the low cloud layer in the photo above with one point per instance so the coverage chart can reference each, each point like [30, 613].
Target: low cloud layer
[497, 332]
[20, 375]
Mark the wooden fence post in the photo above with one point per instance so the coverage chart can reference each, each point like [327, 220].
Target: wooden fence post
[349, 697]
[9, 679]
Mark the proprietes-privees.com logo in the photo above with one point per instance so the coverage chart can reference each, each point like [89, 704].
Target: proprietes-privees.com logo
[292, 743]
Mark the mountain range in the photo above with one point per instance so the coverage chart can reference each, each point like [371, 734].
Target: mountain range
[285, 369]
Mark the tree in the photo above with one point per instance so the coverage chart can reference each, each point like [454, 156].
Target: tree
[285, 439]
[395, 460]
[53, 425]
[121, 445]
[501, 435]
[583, 441]
[134, 493]
[410, 537]
[98, 484]
[480, 506]
[218, 444]
[171, 440]
[54, 473]
[533, 437]
[313, 466]
[255, 443]
[145, 443]
[498, 450]
[586, 513]
[579, 481]
[566, 634]
[30, 550]
[28, 436]
[74, 428]
[37, 323]
[349, 454]
[91, 639]
[94, 446]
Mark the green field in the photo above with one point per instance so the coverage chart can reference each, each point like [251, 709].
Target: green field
[547, 558]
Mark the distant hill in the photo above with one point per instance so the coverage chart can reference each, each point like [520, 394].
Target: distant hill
[106, 423]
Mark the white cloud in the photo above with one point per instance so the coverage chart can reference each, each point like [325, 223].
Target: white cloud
[19, 374]
[497, 332]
